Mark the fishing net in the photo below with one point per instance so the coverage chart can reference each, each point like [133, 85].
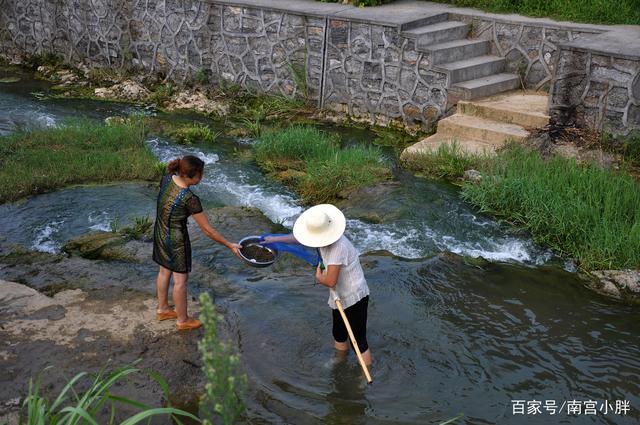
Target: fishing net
[310, 255]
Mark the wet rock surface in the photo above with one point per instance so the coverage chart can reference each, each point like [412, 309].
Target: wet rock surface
[127, 90]
[620, 284]
[77, 330]
[197, 101]
[79, 314]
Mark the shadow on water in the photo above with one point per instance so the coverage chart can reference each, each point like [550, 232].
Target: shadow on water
[448, 334]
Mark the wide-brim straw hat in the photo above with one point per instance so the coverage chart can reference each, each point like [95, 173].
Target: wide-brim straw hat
[319, 226]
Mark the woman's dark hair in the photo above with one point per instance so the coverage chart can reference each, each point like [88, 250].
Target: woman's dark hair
[187, 166]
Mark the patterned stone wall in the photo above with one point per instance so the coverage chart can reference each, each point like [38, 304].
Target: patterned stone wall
[597, 91]
[256, 48]
[530, 50]
[372, 71]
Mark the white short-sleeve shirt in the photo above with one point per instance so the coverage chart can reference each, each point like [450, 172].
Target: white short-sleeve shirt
[351, 286]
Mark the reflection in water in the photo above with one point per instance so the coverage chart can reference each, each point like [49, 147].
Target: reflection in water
[346, 400]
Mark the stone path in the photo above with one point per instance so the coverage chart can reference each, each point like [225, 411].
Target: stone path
[484, 125]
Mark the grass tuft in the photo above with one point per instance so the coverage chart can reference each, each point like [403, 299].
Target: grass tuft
[76, 152]
[591, 11]
[448, 161]
[580, 210]
[192, 133]
[313, 163]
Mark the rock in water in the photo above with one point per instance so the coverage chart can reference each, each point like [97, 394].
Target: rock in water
[197, 101]
[126, 90]
[620, 284]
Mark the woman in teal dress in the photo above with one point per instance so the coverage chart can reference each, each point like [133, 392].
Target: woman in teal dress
[171, 246]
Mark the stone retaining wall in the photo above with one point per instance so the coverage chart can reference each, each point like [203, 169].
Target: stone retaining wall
[372, 71]
[367, 69]
[597, 90]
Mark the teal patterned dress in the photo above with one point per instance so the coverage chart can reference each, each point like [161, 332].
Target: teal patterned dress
[171, 246]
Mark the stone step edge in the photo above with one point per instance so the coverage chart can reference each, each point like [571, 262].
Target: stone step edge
[493, 129]
[524, 119]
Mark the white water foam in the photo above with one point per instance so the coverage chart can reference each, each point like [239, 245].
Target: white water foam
[408, 240]
[44, 241]
[166, 152]
[280, 208]
[100, 221]
[410, 243]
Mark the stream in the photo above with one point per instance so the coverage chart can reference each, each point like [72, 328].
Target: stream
[449, 331]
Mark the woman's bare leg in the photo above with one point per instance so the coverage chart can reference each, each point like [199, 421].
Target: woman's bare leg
[180, 295]
[162, 289]
[366, 356]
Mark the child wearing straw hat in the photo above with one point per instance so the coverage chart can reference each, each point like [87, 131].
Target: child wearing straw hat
[322, 227]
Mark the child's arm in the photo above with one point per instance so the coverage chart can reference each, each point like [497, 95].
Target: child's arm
[330, 278]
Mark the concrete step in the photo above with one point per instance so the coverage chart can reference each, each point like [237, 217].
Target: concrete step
[464, 127]
[427, 20]
[526, 109]
[457, 50]
[473, 68]
[466, 146]
[484, 86]
[438, 33]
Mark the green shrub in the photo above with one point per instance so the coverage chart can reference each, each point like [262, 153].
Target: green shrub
[226, 385]
[73, 406]
[631, 148]
[583, 211]
[192, 133]
[140, 229]
[162, 94]
[76, 152]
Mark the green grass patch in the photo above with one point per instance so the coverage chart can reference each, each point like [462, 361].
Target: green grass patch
[448, 161]
[590, 11]
[313, 163]
[77, 152]
[579, 210]
[192, 133]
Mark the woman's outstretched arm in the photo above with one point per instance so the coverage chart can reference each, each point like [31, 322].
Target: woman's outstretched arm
[203, 221]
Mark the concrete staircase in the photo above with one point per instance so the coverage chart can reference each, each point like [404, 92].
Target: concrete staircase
[472, 70]
[484, 125]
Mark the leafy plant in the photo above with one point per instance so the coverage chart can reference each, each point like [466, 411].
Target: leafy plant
[202, 76]
[192, 133]
[140, 229]
[161, 168]
[73, 407]
[162, 94]
[226, 384]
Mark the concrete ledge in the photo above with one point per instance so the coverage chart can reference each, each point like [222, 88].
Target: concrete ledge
[402, 12]
[622, 42]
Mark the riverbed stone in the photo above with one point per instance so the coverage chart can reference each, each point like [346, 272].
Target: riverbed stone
[197, 101]
[619, 284]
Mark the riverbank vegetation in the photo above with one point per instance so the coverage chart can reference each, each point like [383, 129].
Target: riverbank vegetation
[76, 152]
[315, 165]
[580, 210]
[75, 405]
[588, 11]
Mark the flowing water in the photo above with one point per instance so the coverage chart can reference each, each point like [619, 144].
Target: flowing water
[449, 334]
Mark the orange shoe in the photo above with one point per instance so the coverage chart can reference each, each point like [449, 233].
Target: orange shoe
[189, 324]
[167, 315]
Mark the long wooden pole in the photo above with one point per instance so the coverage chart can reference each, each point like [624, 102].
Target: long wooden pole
[352, 337]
